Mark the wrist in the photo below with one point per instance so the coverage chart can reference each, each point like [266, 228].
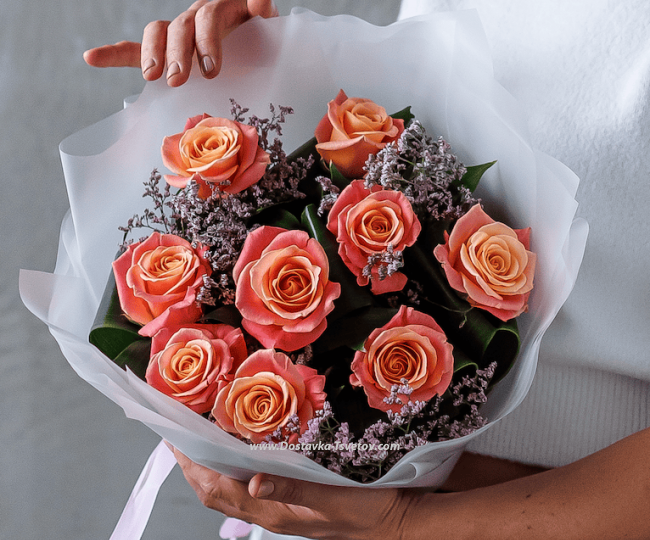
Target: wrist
[442, 515]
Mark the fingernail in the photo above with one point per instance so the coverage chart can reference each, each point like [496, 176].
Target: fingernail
[207, 65]
[265, 489]
[148, 64]
[173, 69]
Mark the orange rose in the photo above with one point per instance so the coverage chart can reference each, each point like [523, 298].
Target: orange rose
[489, 263]
[214, 151]
[366, 223]
[353, 129]
[411, 346]
[268, 390]
[283, 291]
[157, 281]
[191, 364]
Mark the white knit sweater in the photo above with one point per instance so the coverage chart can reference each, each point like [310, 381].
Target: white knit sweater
[582, 71]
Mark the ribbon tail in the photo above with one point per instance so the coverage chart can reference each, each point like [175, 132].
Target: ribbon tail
[135, 515]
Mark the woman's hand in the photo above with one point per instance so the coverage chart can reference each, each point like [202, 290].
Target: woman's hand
[295, 507]
[171, 45]
[602, 496]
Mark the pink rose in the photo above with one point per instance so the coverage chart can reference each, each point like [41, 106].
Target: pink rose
[366, 223]
[283, 291]
[268, 390]
[411, 346]
[489, 263]
[191, 364]
[217, 152]
[158, 279]
[353, 129]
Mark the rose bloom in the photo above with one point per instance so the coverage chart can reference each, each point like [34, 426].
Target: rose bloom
[267, 391]
[365, 223]
[411, 346]
[352, 129]
[158, 279]
[192, 363]
[214, 151]
[489, 263]
[283, 291]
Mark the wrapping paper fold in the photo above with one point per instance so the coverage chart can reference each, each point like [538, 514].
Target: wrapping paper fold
[437, 64]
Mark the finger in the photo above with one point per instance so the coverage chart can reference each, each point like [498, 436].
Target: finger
[319, 497]
[299, 493]
[180, 46]
[231, 497]
[339, 512]
[122, 54]
[154, 45]
[214, 21]
[219, 492]
[263, 8]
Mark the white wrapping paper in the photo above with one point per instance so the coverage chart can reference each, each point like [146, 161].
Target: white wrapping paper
[439, 65]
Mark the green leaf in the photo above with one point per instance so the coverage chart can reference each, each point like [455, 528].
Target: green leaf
[461, 360]
[352, 295]
[136, 356]
[405, 114]
[351, 406]
[225, 314]
[421, 266]
[338, 179]
[277, 216]
[474, 174]
[353, 329]
[112, 331]
[304, 151]
[503, 348]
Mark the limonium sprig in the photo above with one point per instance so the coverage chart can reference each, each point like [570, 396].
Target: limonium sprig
[425, 171]
[330, 194]
[387, 262]
[468, 393]
[302, 356]
[155, 219]
[382, 444]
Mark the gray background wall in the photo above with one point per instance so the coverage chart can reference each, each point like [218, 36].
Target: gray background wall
[68, 456]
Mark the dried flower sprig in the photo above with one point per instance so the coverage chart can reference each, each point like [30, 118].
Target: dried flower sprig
[387, 263]
[330, 194]
[384, 443]
[425, 171]
[157, 219]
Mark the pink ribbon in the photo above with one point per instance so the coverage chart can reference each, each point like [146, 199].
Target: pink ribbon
[135, 515]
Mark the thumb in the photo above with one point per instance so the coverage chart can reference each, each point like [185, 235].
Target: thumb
[321, 498]
[288, 490]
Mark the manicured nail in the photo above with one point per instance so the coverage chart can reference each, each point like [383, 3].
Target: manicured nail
[147, 65]
[207, 65]
[173, 69]
[265, 489]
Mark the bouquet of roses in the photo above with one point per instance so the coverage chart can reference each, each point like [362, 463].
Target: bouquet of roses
[351, 301]
[356, 302]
